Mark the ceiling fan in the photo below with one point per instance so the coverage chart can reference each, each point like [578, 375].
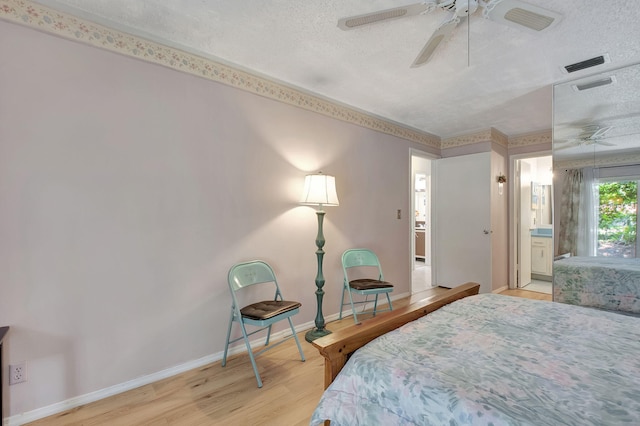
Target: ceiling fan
[510, 12]
[590, 135]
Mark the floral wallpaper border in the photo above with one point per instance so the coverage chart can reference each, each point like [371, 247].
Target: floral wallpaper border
[603, 161]
[48, 20]
[477, 137]
[538, 138]
[488, 135]
[500, 138]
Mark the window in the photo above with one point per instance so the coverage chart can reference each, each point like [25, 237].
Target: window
[617, 218]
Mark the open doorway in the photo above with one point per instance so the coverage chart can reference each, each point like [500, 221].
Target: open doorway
[532, 213]
[421, 225]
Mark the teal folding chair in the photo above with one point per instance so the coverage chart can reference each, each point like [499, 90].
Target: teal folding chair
[365, 261]
[261, 314]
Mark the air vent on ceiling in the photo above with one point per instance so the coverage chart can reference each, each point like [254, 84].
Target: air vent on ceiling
[598, 60]
[595, 83]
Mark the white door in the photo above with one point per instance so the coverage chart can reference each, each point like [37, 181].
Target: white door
[462, 220]
[524, 231]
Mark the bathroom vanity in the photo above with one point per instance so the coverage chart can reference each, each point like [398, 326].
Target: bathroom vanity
[541, 253]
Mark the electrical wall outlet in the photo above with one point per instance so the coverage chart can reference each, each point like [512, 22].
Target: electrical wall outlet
[18, 373]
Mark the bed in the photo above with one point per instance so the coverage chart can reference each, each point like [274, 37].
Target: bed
[485, 360]
[610, 283]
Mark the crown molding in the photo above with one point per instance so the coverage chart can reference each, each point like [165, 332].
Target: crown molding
[537, 138]
[488, 135]
[602, 161]
[469, 139]
[500, 138]
[44, 19]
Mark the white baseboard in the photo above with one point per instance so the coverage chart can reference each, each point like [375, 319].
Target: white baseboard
[39, 413]
[77, 401]
[501, 289]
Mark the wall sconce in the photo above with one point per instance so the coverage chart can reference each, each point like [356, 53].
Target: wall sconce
[319, 190]
[502, 179]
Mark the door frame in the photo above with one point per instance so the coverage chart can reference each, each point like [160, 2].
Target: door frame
[514, 219]
[413, 152]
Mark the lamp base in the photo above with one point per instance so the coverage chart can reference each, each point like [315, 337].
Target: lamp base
[315, 333]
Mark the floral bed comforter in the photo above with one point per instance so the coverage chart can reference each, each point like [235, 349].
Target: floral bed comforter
[494, 360]
[602, 282]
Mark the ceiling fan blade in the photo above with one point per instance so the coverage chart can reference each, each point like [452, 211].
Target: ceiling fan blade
[435, 40]
[595, 115]
[520, 14]
[559, 148]
[352, 22]
[601, 132]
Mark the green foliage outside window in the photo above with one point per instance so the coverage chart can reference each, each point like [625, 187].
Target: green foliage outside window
[617, 218]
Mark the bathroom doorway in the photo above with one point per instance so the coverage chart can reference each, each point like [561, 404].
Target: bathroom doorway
[532, 232]
[421, 224]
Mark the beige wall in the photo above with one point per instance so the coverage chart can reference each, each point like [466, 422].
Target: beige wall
[127, 190]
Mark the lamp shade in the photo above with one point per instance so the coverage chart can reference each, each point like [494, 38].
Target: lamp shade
[320, 189]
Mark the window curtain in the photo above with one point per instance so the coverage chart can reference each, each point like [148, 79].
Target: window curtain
[570, 212]
[578, 230]
[588, 213]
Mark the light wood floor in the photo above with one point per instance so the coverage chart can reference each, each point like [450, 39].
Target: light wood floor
[527, 294]
[213, 395]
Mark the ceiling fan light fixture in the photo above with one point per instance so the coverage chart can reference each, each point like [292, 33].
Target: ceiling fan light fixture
[516, 13]
[466, 7]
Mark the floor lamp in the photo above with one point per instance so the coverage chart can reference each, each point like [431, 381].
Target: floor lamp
[319, 190]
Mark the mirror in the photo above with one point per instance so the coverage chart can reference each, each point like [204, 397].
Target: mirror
[596, 140]
[541, 204]
[596, 163]
[421, 199]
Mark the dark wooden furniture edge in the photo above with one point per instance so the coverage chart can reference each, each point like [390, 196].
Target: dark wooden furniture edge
[336, 347]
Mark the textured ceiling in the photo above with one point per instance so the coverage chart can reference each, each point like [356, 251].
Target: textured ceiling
[600, 121]
[486, 75]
